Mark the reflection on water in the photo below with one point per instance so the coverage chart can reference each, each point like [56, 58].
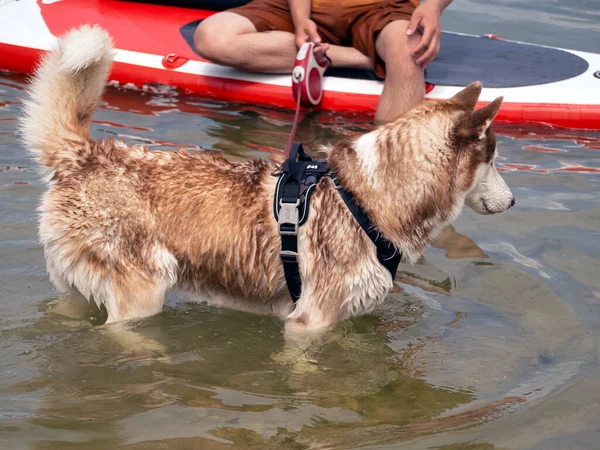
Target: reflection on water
[497, 325]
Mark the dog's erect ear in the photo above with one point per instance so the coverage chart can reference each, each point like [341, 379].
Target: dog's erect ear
[476, 123]
[469, 95]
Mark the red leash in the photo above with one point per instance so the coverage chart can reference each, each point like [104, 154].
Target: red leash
[307, 85]
[290, 141]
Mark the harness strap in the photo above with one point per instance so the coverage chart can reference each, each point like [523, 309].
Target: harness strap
[289, 219]
[288, 230]
[387, 253]
[291, 268]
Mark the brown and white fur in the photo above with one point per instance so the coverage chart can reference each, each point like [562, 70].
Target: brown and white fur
[122, 224]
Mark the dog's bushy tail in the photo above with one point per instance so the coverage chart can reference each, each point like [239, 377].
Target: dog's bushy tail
[63, 95]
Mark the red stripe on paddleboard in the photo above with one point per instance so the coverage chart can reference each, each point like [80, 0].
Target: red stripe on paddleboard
[23, 60]
[19, 59]
[239, 90]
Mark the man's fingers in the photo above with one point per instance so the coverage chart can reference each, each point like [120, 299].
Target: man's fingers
[311, 30]
[427, 58]
[307, 32]
[320, 52]
[321, 49]
[413, 24]
[425, 41]
[302, 36]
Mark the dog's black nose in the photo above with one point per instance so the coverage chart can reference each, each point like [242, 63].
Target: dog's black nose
[512, 202]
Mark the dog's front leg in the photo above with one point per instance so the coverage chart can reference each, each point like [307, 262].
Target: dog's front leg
[299, 346]
[314, 313]
[305, 328]
[135, 342]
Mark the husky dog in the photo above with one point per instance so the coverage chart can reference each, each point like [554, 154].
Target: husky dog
[122, 224]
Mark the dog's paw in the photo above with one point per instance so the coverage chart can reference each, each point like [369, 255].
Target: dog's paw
[297, 359]
[137, 344]
[305, 366]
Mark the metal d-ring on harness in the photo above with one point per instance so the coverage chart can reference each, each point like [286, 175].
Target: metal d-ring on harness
[298, 178]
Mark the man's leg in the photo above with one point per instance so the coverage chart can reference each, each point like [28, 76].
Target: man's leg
[404, 85]
[349, 57]
[232, 40]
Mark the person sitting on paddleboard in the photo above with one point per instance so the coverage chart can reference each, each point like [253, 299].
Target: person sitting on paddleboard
[395, 38]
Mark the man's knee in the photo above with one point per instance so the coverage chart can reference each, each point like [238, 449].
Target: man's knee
[395, 47]
[404, 65]
[214, 36]
[209, 43]
[206, 41]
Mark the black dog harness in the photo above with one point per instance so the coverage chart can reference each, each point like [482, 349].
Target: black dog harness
[297, 180]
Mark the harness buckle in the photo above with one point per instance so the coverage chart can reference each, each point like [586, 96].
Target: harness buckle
[288, 218]
[288, 256]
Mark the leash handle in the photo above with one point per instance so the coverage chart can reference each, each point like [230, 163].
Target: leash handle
[307, 76]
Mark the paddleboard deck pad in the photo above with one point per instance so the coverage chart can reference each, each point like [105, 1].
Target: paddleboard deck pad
[155, 46]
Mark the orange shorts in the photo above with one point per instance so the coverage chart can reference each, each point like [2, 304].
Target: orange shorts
[355, 23]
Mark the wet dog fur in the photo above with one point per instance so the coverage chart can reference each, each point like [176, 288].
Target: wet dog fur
[122, 225]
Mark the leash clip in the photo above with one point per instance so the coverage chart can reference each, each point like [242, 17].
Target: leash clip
[278, 170]
[288, 218]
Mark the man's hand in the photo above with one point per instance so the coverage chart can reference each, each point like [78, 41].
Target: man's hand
[427, 18]
[306, 31]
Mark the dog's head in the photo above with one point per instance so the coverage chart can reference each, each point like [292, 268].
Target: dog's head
[414, 174]
[468, 135]
[474, 139]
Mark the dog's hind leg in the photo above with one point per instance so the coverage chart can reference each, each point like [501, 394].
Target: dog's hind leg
[134, 298]
[69, 303]
[113, 261]
[130, 281]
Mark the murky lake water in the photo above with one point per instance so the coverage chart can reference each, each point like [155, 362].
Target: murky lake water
[490, 342]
